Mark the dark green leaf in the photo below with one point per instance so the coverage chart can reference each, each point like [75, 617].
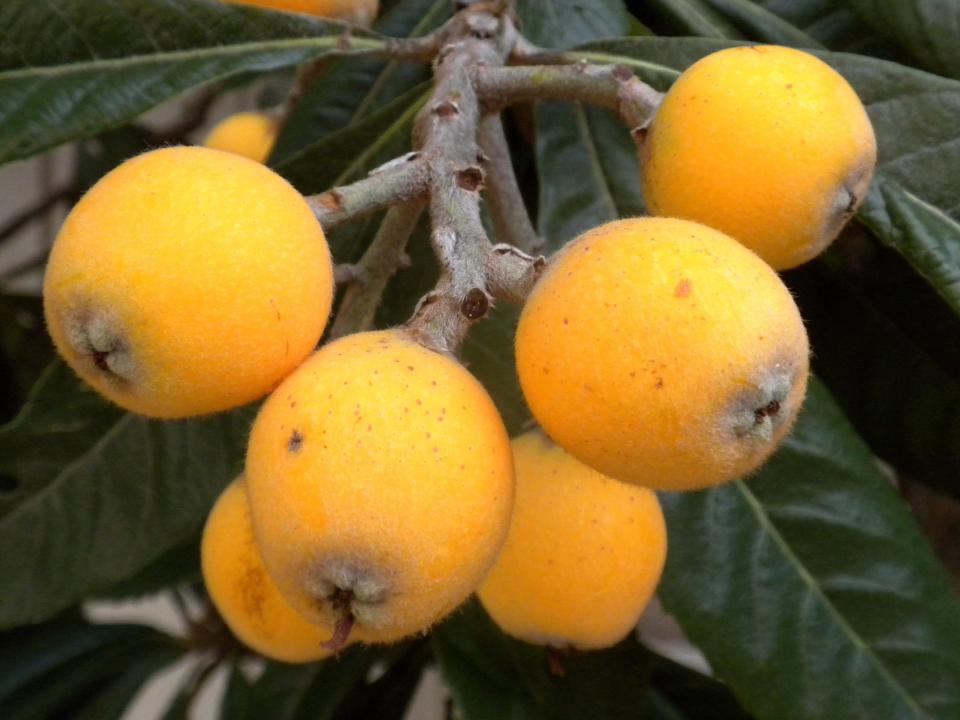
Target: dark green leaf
[810, 589]
[388, 696]
[25, 349]
[313, 692]
[351, 88]
[690, 694]
[757, 23]
[831, 23]
[493, 676]
[565, 23]
[99, 494]
[236, 700]
[685, 17]
[72, 68]
[928, 29]
[177, 566]
[79, 670]
[349, 154]
[922, 233]
[900, 397]
[594, 147]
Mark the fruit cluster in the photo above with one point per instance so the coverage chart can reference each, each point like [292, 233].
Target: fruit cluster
[380, 487]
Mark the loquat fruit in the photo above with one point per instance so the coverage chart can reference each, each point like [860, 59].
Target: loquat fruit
[664, 353]
[381, 484]
[583, 555]
[250, 134]
[188, 281]
[765, 143]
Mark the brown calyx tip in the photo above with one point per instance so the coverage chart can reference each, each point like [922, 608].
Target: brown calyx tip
[341, 601]
[767, 411]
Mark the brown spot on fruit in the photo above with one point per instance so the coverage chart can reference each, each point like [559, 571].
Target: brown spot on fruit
[295, 442]
[683, 289]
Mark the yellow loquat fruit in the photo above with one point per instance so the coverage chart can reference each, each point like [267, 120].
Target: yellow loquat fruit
[765, 143]
[381, 484]
[664, 353]
[188, 281]
[583, 555]
[250, 134]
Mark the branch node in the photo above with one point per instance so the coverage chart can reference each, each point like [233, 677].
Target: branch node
[475, 304]
[470, 179]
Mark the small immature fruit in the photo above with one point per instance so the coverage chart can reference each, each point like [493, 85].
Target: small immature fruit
[361, 12]
[583, 556]
[249, 134]
[381, 484]
[244, 593]
[188, 281]
[767, 144]
[664, 353]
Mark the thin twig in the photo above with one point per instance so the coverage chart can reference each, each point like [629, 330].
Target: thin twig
[385, 255]
[405, 180]
[506, 203]
[611, 86]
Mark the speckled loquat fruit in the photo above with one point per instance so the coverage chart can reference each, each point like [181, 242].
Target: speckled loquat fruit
[765, 143]
[381, 485]
[583, 555]
[188, 281]
[662, 352]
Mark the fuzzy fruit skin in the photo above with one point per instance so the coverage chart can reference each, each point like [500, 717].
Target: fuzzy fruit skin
[384, 468]
[361, 12]
[249, 134]
[204, 275]
[764, 143]
[245, 595]
[583, 556]
[648, 347]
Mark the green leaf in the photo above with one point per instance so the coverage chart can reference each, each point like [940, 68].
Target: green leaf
[72, 68]
[757, 23]
[351, 88]
[71, 668]
[349, 154]
[593, 146]
[809, 588]
[320, 691]
[236, 698]
[926, 236]
[100, 494]
[831, 23]
[577, 142]
[928, 29]
[493, 676]
[686, 17]
[565, 23]
[899, 395]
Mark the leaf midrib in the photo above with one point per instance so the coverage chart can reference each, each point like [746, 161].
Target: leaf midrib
[814, 587]
[359, 45]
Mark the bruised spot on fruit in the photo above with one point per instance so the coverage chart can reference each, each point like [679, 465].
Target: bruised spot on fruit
[683, 289]
[252, 591]
[295, 443]
[98, 338]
